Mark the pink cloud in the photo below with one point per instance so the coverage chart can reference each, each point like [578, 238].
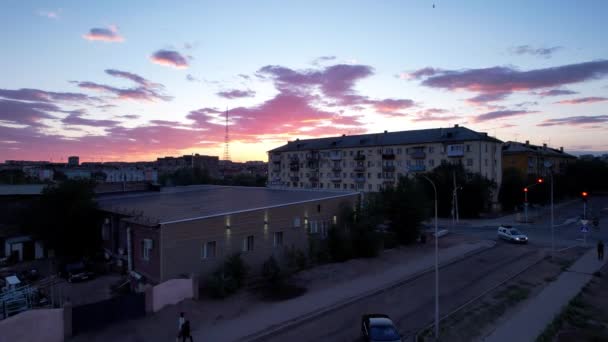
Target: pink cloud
[109, 34]
[576, 121]
[583, 100]
[435, 114]
[146, 91]
[557, 92]
[169, 58]
[499, 114]
[389, 106]
[28, 94]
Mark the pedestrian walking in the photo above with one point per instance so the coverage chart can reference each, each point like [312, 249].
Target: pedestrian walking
[600, 250]
[180, 323]
[186, 332]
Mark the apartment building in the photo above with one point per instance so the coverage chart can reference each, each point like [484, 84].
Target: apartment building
[190, 230]
[535, 160]
[370, 162]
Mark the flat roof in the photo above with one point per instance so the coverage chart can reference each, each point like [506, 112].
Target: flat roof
[21, 189]
[187, 203]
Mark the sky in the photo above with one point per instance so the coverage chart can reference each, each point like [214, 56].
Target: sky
[137, 80]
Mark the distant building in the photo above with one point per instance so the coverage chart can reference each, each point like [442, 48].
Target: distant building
[535, 160]
[254, 168]
[369, 162]
[184, 230]
[73, 161]
[171, 164]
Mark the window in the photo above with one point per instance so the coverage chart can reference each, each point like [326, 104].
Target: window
[314, 228]
[379, 175]
[352, 186]
[486, 148]
[399, 150]
[399, 163]
[208, 251]
[318, 208]
[485, 160]
[146, 248]
[369, 187]
[468, 148]
[335, 219]
[469, 161]
[369, 175]
[431, 162]
[351, 153]
[248, 244]
[431, 149]
[345, 186]
[296, 222]
[278, 239]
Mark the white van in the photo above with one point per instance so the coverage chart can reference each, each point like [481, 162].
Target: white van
[511, 234]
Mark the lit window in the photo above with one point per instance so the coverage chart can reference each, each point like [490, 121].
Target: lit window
[296, 222]
[335, 219]
[209, 250]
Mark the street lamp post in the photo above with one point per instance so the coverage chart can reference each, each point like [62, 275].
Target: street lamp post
[436, 263]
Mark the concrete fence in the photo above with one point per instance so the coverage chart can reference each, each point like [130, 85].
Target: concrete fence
[171, 292]
[55, 325]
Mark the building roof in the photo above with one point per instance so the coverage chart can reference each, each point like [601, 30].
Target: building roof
[442, 135]
[21, 189]
[514, 147]
[177, 204]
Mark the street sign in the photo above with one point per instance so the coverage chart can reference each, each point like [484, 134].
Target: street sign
[584, 222]
[584, 229]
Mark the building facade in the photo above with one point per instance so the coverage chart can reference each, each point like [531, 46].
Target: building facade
[190, 230]
[171, 164]
[535, 160]
[372, 161]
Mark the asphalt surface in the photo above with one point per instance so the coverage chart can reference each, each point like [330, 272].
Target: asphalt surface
[411, 305]
[567, 231]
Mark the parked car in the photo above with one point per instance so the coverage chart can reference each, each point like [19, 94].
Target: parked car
[511, 234]
[77, 272]
[379, 327]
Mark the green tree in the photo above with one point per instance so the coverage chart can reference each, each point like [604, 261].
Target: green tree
[405, 207]
[510, 194]
[67, 219]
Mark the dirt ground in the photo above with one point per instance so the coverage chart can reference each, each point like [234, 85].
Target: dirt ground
[586, 316]
[481, 317]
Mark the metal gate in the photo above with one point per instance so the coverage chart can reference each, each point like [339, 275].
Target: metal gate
[98, 315]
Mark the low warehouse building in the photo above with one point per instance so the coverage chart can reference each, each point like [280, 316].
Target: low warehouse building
[179, 231]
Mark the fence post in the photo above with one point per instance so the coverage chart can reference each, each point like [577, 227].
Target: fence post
[149, 296]
[195, 290]
[67, 319]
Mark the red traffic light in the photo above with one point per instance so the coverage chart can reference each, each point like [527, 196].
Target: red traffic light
[525, 189]
[584, 193]
[540, 180]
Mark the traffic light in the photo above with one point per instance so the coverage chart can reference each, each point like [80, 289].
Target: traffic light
[525, 189]
[540, 180]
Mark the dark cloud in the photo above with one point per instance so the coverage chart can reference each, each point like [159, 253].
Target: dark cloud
[420, 73]
[77, 119]
[506, 79]
[557, 92]
[435, 114]
[27, 94]
[26, 113]
[482, 99]
[146, 91]
[235, 93]
[592, 99]
[499, 114]
[128, 116]
[191, 78]
[575, 120]
[540, 52]
[169, 58]
[104, 34]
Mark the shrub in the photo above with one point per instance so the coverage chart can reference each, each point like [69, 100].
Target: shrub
[271, 272]
[296, 259]
[236, 269]
[366, 243]
[339, 244]
[220, 285]
[389, 240]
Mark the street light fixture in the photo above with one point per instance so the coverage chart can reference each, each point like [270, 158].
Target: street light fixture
[584, 195]
[436, 262]
[538, 181]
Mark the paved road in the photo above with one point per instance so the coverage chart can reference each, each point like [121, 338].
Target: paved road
[567, 226]
[412, 305]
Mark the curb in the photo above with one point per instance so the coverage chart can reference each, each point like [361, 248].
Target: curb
[280, 327]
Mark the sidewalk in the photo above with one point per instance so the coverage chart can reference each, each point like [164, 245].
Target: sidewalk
[276, 316]
[540, 311]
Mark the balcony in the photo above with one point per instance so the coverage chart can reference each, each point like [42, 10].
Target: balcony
[388, 180]
[294, 167]
[276, 169]
[312, 158]
[335, 178]
[276, 179]
[313, 178]
[359, 157]
[313, 165]
[388, 168]
[455, 150]
[359, 179]
[336, 168]
[335, 156]
[359, 168]
[275, 158]
[388, 155]
[416, 168]
[418, 155]
[294, 179]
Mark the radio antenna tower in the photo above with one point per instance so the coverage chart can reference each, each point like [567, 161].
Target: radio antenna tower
[226, 140]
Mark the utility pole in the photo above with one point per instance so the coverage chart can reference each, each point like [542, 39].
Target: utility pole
[436, 263]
